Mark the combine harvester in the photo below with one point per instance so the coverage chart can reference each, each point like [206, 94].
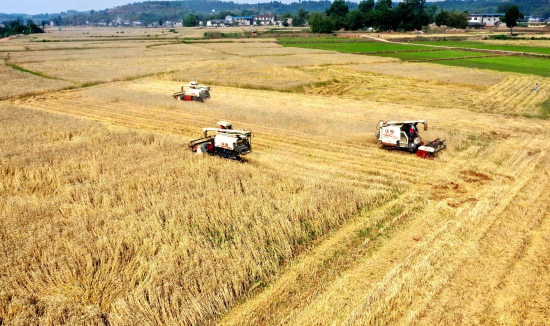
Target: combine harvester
[227, 142]
[193, 92]
[403, 135]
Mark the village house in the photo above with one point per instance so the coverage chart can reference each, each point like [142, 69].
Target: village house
[216, 23]
[483, 20]
[241, 20]
[264, 19]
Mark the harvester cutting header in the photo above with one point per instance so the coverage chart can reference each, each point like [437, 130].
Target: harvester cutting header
[227, 142]
[403, 135]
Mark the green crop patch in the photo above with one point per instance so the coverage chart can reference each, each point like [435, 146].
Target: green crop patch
[433, 55]
[488, 46]
[302, 40]
[417, 52]
[359, 47]
[531, 66]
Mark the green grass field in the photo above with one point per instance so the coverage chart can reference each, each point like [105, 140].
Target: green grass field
[341, 45]
[319, 39]
[406, 52]
[532, 66]
[486, 46]
[432, 55]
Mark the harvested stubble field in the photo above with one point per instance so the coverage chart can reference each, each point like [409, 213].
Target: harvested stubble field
[107, 218]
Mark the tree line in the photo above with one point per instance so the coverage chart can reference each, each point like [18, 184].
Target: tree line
[383, 15]
[321, 16]
[18, 26]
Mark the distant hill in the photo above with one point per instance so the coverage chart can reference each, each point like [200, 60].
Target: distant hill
[153, 11]
[528, 7]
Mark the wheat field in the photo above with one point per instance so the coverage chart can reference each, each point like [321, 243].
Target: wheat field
[107, 218]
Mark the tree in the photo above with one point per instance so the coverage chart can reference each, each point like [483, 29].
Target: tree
[18, 26]
[457, 19]
[441, 18]
[511, 16]
[383, 4]
[300, 18]
[338, 8]
[366, 6]
[383, 17]
[337, 12]
[411, 15]
[320, 23]
[430, 11]
[58, 21]
[190, 20]
[355, 20]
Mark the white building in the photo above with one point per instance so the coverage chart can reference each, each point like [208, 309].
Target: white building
[265, 19]
[484, 19]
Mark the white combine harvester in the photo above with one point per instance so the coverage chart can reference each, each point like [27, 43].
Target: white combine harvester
[227, 142]
[403, 135]
[193, 92]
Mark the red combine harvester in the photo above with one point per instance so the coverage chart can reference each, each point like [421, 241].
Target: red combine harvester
[193, 92]
[227, 142]
[403, 135]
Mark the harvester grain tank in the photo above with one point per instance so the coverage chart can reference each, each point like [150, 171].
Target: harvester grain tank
[403, 135]
[193, 92]
[227, 142]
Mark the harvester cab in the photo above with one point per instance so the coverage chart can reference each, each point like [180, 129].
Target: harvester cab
[403, 135]
[193, 92]
[227, 142]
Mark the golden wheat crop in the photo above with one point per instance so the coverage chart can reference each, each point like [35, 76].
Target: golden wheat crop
[526, 42]
[17, 83]
[258, 75]
[111, 201]
[324, 59]
[106, 217]
[104, 65]
[117, 33]
[427, 72]
[257, 49]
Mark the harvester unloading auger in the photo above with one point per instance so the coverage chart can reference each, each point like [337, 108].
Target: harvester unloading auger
[403, 135]
[227, 142]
